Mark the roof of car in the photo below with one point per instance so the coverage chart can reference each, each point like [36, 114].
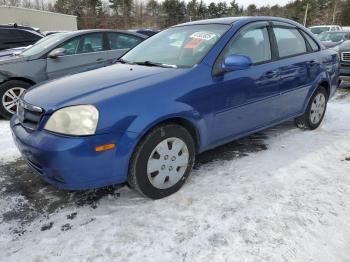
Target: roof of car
[81, 32]
[231, 20]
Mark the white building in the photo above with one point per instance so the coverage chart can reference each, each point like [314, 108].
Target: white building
[44, 20]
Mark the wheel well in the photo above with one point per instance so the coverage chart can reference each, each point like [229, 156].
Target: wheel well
[326, 86]
[187, 125]
[20, 79]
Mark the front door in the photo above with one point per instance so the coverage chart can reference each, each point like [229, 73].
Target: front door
[246, 100]
[83, 53]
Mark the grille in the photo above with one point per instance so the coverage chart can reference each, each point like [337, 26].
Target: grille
[28, 115]
[345, 56]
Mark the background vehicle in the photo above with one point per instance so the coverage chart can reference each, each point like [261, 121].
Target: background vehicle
[12, 36]
[185, 90]
[344, 53]
[332, 39]
[316, 30]
[147, 32]
[59, 55]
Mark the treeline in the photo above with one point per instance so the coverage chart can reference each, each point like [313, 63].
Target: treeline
[161, 14]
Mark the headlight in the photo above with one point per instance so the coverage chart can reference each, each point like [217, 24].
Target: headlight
[74, 120]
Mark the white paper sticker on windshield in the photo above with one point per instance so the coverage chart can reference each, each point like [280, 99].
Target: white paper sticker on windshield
[203, 35]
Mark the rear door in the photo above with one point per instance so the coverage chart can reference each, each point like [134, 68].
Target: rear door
[119, 44]
[299, 66]
[83, 53]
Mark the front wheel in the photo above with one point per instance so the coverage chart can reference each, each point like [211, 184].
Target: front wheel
[10, 92]
[315, 111]
[162, 161]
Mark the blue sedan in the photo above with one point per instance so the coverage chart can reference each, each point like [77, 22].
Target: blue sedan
[187, 89]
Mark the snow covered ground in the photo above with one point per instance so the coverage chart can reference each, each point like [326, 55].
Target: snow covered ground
[290, 202]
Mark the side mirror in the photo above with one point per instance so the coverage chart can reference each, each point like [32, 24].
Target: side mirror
[58, 52]
[236, 62]
[347, 37]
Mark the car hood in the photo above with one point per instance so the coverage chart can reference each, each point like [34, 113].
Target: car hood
[329, 44]
[9, 59]
[95, 86]
[345, 46]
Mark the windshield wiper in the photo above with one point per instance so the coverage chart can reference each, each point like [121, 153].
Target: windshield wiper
[149, 63]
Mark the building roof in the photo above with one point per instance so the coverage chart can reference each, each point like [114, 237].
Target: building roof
[34, 10]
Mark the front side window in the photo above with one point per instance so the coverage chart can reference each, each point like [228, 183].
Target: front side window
[253, 42]
[289, 41]
[183, 46]
[122, 41]
[84, 44]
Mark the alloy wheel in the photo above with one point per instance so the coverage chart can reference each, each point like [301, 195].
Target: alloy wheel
[11, 97]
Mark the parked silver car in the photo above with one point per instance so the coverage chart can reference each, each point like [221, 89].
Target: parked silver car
[58, 55]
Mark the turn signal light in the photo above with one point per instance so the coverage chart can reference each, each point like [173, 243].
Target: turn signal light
[105, 147]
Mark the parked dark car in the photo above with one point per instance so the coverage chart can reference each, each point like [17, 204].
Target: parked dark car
[12, 36]
[332, 39]
[59, 55]
[185, 90]
[344, 53]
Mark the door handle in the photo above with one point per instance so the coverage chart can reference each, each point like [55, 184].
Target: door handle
[270, 74]
[312, 63]
[99, 59]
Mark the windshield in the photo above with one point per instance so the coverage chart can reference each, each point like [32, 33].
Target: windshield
[43, 44]
[177, 47]
[332, 37]
[319, 30]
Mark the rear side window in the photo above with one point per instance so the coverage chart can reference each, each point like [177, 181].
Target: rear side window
[313, 44]
[122, 41]
[252, 42]
[289, 41]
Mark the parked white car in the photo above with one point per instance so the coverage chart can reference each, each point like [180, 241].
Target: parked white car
[316, 30]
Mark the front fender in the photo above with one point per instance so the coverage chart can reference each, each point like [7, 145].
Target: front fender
[146, 121]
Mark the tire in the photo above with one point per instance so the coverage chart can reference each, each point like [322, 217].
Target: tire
[10, 92]
[316, 109]
[162, 161]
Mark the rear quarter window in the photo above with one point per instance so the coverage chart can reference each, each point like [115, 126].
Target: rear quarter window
[314, 46]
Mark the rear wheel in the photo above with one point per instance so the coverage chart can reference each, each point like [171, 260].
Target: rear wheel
[315, 111]
[10, 92]
[162, 161]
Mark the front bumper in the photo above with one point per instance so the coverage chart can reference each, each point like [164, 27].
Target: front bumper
[344, 71]
[71, 162]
